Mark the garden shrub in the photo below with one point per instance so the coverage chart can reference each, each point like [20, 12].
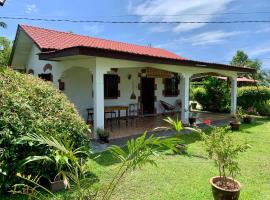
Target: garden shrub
[256, 97]
[30, 105]
[214, 95]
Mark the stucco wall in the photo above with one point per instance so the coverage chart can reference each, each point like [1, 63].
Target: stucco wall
[76, 73]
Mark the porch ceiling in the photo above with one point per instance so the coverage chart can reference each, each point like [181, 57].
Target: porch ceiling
[107, 53]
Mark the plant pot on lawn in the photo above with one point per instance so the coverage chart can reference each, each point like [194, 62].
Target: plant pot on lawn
[58, 184]
[247, 119]
[192, 121]
[229, 191]
[235, 125]
[103, 135]
[193, 106]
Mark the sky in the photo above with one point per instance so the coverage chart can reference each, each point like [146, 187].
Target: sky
[205, 42]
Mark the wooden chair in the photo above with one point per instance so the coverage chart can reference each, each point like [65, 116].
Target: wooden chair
[135, 112]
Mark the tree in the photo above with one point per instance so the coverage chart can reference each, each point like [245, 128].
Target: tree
[241, 59]
[5, 50]
[3, 25]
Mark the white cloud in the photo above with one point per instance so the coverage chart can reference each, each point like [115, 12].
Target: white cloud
[260, 50]
[211, 37]
[156, 10]
[205, 38]
[93, 29]
[31, 8]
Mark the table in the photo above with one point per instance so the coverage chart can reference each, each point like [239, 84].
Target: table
[118, 108]
[109, 109]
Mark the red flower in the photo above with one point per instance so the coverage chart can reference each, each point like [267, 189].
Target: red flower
[207, 122]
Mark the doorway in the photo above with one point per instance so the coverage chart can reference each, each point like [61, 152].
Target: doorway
[148, 95]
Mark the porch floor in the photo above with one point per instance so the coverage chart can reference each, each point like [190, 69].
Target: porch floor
[150, 122]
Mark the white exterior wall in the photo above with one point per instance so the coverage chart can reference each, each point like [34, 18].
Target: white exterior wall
[76, 73]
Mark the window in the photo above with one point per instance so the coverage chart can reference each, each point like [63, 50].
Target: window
[170, 87]
[111, 86]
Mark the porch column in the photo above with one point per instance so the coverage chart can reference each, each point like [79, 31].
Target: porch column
[98, 91]
[184, 90]
[233, 95]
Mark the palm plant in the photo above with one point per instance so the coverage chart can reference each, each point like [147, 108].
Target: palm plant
[139, 153]
[67, 160]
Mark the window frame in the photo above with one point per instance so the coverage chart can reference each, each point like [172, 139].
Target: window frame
[117, 92]
[166, 91]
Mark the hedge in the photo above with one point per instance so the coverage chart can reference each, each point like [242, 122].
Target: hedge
[31, 105]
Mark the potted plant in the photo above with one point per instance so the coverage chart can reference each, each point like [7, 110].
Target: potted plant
[103, 135]
[224, 150]
[235, 123]
[192, 119]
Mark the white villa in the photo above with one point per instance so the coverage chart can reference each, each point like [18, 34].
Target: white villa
[102, 76]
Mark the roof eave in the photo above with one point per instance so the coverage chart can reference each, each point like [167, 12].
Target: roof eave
[108, 53]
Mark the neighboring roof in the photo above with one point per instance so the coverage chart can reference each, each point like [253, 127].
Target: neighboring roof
[56, 44]
[241, 79]
[56, 40]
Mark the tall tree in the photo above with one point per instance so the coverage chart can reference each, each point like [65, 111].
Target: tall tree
[242, 59]
[5, 50]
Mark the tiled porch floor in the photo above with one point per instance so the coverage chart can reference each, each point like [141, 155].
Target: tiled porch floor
[150, 122]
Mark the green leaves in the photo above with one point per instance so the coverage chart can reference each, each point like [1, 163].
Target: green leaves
[31, 106]
[224, 150]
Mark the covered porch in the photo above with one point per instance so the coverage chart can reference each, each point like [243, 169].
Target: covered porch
[133, 80]
[149, 123]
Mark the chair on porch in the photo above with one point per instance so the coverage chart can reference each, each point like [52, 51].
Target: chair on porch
[168, 108]
[90, 114]
[135, 112]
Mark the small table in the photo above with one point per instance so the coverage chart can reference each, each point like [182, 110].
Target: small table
[118, 108]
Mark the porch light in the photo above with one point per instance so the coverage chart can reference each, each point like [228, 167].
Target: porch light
[2, 2]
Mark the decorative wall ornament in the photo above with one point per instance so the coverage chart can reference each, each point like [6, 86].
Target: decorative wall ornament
[61, 85]
[30, 71]
[47, 67]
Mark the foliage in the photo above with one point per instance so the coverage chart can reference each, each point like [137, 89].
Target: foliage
[255, 97]
[224, 150]
[214, 95]
[69, 162]
[241, 59]
[29, 105]
[102, 132]
[139, 153]
[5, 50]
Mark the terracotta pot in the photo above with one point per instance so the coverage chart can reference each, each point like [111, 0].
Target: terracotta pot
[57, 185]
[247, 120]
[223, 194]
[235, 126]
[192, 121]
[193, 106]
[104, 139]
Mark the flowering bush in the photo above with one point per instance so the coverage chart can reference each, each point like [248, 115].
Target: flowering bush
[29, 105]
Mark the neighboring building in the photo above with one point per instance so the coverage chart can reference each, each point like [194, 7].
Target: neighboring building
[95, 73]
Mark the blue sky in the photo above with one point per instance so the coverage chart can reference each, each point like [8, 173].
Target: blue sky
[212, 42]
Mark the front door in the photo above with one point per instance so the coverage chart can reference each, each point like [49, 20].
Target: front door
[148, 95]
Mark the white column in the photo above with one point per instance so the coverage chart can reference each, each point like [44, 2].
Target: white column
[98, 91]
[184, 90]
[233, 95]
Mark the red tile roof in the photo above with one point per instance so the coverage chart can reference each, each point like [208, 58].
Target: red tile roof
[57, 40]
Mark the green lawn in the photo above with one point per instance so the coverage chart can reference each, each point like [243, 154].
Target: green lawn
[187, 177]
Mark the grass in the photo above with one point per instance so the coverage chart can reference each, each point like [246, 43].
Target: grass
[187, 177]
